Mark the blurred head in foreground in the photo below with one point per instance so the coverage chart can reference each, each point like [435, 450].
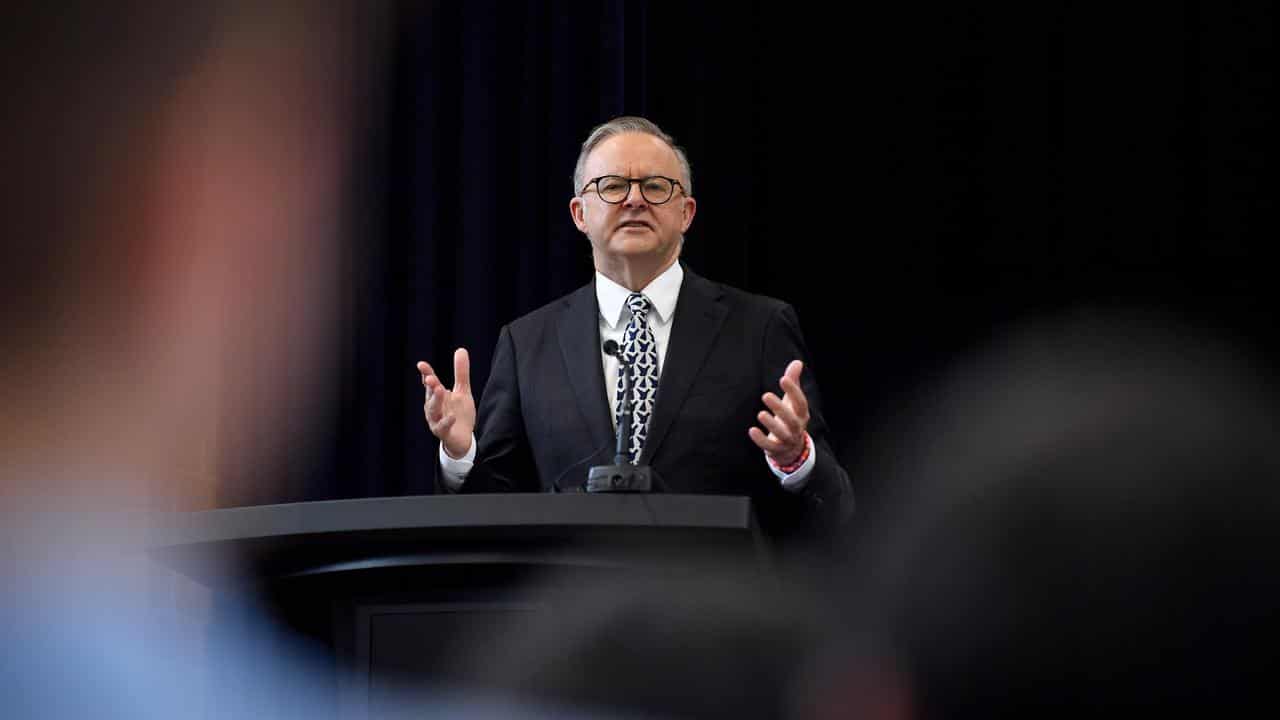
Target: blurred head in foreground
[1087, 518]
[685, 641]
[171, 201]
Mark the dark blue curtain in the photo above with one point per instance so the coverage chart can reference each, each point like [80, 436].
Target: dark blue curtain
[913, 179]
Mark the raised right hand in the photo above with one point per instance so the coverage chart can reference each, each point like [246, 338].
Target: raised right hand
[451, 414]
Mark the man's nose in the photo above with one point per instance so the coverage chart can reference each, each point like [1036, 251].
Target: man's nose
[634, 198]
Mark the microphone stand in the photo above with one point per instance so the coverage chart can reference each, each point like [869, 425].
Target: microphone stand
[622, 475]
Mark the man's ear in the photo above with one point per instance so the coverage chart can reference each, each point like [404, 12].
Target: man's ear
[690, 209]
[578, 211]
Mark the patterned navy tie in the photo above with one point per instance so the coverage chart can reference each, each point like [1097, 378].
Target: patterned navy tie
[640, 350]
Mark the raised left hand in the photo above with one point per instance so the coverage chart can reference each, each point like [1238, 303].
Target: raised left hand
[786, 419]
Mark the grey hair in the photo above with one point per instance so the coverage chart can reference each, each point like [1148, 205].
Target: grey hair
[630, 124]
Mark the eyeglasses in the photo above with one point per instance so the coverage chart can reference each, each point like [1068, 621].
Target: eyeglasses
[614, 189]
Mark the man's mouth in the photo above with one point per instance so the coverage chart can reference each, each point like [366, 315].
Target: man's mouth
[635, 223]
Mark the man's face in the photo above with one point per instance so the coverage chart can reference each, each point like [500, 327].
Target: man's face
[634, 229]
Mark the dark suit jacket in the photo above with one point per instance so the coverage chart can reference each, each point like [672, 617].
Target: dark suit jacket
[544, 416]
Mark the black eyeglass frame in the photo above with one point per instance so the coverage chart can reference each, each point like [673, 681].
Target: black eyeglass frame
[674, 184]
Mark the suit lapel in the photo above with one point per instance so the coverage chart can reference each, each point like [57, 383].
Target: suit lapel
[698, 318]
[579, 331]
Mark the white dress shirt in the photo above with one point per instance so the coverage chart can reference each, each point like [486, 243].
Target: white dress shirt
[663, 293]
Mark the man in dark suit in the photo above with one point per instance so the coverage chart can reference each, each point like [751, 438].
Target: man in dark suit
[706, 357]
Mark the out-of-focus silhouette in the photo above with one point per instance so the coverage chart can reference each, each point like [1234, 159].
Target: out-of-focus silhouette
[693, 640]
[173, 200]
[1085, 517]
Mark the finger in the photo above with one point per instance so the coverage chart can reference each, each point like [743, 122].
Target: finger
[443, 426]
[431, 383]
[775, 450]
[764, 442]
[794, 368]
[461, 371]
[784, 411]
[777, 429]
[769, 444]
[432, 408]
[438, 398]
[796, 398]
[429, 379]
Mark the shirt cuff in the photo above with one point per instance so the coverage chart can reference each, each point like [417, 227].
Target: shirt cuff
[454, 472]
[795, 482]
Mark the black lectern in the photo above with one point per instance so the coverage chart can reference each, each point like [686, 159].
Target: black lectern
[391, 585]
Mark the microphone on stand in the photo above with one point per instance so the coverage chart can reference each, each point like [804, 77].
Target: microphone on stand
[622, 475]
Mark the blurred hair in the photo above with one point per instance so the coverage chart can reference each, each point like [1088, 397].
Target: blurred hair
[84, 86]
[1085, 516]
[172, 198]
[175, 203]
[689, 641]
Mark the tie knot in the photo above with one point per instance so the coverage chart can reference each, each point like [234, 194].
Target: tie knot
[638, 304]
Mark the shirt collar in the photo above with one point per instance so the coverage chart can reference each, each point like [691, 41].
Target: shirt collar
[662, 292]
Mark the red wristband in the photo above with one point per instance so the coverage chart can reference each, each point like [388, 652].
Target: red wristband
[788, 469]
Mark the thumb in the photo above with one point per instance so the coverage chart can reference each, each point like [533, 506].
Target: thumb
[461, 371]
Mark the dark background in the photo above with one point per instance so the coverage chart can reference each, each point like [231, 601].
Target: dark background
[913, 179]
